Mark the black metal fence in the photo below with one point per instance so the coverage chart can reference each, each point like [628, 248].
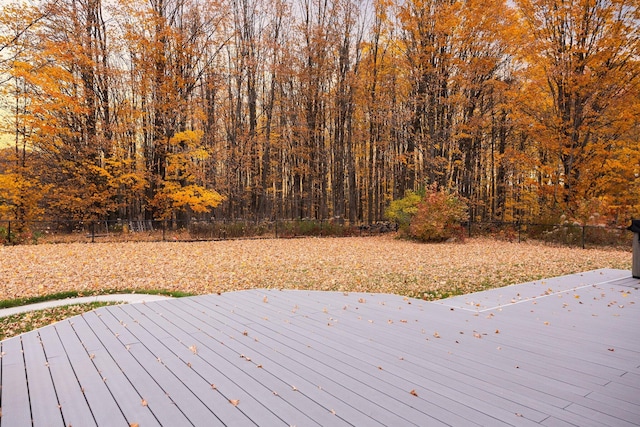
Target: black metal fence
[575, 235]
[59, 231]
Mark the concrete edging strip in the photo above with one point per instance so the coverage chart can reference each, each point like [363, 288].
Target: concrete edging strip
[126, 298]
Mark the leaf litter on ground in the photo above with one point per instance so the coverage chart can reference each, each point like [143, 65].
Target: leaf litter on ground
[359, 264]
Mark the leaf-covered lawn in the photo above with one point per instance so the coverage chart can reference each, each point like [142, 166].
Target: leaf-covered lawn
[373, 264]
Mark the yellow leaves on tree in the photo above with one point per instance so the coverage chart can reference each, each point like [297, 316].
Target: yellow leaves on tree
[583, 55]
[184, 186]
[19, 197]
[194, 197]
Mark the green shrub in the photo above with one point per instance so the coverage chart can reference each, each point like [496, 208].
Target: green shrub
[402, 211]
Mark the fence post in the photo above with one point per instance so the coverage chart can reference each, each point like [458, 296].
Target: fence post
[519, 231]
[469, 226]
[93, 231]
[276, 228]
[9, 232]
[164, 230]
[583, 235]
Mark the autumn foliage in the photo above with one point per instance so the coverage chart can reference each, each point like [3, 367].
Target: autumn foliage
[273, 109]
[430, 215]
[439, 217]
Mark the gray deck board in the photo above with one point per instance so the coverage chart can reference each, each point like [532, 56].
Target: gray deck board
[42, 395]
[464, 381]
[231, 377]
[393, 378]
[392, 390]
[561, 351]
[118, 384]
[152, 395]
[185, 365]
[170, 377]
[404, 347]
[92, 382]
[186, 338]
[314, 382]
[69, 394]
[14, 391]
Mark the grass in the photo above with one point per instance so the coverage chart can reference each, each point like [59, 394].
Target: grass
[24, 322]
[18, 302]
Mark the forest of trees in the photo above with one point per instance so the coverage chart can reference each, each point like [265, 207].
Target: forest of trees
[264, 109]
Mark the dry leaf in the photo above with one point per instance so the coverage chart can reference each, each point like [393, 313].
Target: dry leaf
[143, 402]
[213, 386]
[436, 334]
[194, 349]
[133, 425]
[265, 299]
[413, 392]
[260, 263]
[234, 402]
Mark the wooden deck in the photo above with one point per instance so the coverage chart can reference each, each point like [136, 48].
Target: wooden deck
[558, 352]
